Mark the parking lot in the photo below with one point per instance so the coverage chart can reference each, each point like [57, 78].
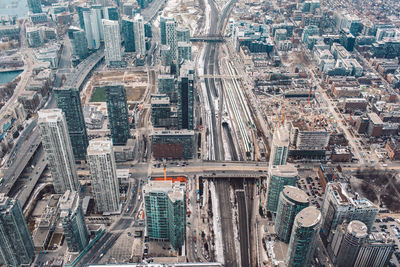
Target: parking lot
[309, 182]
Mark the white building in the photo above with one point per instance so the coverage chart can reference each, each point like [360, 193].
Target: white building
[57, 145]
[112, 41]
[138, 28]
[104, 176]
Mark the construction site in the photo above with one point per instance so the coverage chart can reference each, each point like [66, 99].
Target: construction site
[135, 83]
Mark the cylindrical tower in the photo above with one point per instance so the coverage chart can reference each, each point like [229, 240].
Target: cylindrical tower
[291, 201]
[302, 240]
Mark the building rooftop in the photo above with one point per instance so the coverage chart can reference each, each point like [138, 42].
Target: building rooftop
[173, 189]
[308, 217]
[375, 118]
[295, 194]
[99, 146]
[68, 202]
[288, 170]
[344, 195]
[50, 115]
[357, 229]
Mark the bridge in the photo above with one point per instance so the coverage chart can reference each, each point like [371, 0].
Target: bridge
[208, 38]
[220, 76]
[220, 170]
[77, 78]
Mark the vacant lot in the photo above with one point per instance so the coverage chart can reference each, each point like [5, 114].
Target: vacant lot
[379, 186]
[98, 95]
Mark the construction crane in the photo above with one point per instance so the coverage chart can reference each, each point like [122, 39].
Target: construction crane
[283, 113]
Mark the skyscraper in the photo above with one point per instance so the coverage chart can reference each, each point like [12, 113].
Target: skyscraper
[128, 34]
[302, 240]
[171, 40]
[165, 212]
[104, 175]
[184, 52]
[280, 176]
[35, 6]
[112, 42]
[182, 34]
[78, 41]
[16, 246]
[280, 146]
[291, 201]
[73, 221]
[69, 101]
[341, 203]
[185, 97]
[140, 42]
[93, 27]
[111, 13]
[117, 113]
[346, 243]
[376, 251]
[163, 30]
[57, 145]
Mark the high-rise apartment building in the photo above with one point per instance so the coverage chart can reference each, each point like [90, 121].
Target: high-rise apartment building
[166, 85]
[128, 34]
[140, 42]
[103, 172]
[112, 42]
[35, 6]
[117, 110]
[376, 251]
[165, 212]
[342, 203]
[161, 115]
[346, 243]
[57, 145]
[182, 34]
[280, 176]
[163, 31]
[111, 13]
[186, 97]
[303, 238]
[184, 52]
[78, 41]
[352, 246]
[171, 40]
[280, 146]
[291, 201]
[69, 101]
[16, 245]
[93, 26]
[73, 221]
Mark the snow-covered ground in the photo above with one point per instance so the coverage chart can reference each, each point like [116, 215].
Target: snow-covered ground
[219, 248]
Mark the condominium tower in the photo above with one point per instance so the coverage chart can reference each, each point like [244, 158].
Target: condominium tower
[16, 245]
[303, 238]
[103, 172]
[69, 101]
[73, 221]
[112, 42]
[165, 212]
[57, 145]
[291, 201]
[117, 110]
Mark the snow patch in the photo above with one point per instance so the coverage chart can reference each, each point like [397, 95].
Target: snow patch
[219, 248]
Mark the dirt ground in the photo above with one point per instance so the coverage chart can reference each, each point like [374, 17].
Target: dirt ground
[135, 82]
